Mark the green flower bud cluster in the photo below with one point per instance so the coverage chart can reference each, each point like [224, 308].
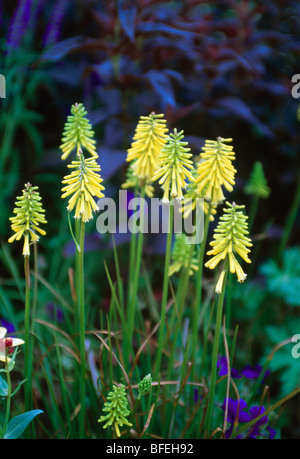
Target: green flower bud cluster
[29, 214]
[145, 385]
[257, 184]
[78, 133]
[116, 408]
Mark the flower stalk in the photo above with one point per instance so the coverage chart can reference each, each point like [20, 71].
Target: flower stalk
[84, 183]
[213, 377]
[164, 293]
[81, 309]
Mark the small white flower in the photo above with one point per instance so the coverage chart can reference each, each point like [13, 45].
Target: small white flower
[6, 345]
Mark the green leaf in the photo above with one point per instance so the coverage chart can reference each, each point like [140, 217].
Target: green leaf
[18, 387]
[18, 424]
[3, 387]
[283, 281]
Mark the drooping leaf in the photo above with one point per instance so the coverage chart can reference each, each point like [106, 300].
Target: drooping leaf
[61, 48]
[150, 27]
[162, 85]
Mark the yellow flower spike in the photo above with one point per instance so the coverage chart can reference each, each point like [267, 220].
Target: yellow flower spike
[174, 166]
[84, 183]
[7, 345]
[29, 214]
[150, 136]
[230, 238]
[78, 133]
[216, 169]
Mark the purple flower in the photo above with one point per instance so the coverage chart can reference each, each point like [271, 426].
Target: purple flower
[54, 312]
[272, 433]
[222, 364]
[9, 326]
[236, 410]
[19, 23]
[196, 395]
[254, 372]
[54, 26]
[256, 411]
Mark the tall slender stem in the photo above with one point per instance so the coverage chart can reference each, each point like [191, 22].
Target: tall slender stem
[77, 254]
[165, 292]
[139, 250]
[253, 211]
[81, 312]
[213, 377]
[28, 348]
[8, 400]
[199, 275]
[290, 220]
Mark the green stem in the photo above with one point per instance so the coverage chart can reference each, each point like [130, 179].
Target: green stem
[8, 400]
[180, 302]
[139, 250]
[253, 211]
[81, 311]
[132, 252]
[28, 349]
[77, 254]
[165, 293]
[198, 297]
[213, 377]
[290, 220]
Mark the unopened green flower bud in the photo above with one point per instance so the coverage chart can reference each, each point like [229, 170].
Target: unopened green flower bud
[145, 385]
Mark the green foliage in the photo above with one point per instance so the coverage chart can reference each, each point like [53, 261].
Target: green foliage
[248, 298]
[3, 387]
[18, 424]
[283, 281]
[283, 362]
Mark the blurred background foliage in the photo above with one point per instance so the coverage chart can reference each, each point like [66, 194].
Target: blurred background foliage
[214, 69]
